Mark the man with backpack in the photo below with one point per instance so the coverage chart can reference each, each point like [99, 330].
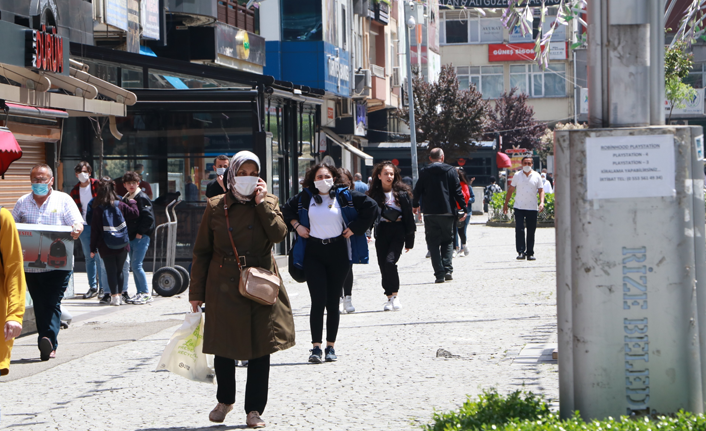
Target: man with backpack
[490, 190]
[46, 286]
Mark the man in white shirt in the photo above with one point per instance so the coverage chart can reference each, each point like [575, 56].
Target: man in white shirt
[47, 285]
[527, 184]
[546, 185]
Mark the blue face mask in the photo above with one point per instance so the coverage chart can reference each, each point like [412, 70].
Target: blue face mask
[40, 189]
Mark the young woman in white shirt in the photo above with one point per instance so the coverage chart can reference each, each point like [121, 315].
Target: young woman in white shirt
[317, 216]
[395, 228]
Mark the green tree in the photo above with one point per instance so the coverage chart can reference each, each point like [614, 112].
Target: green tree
[446, 116]
[677, 65]
[513, 119]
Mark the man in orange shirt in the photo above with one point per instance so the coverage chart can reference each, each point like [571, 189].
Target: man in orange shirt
[12, 287]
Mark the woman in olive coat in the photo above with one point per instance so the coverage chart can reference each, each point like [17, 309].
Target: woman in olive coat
[238, 328]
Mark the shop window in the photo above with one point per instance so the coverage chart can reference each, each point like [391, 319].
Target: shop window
[696, 76]
[301, 20]
[532, 80]
[488, 80]
[131, 78]
[462, 27]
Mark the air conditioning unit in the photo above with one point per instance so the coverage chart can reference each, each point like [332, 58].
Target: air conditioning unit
[396, 81]
[368, 78]
[344, 108]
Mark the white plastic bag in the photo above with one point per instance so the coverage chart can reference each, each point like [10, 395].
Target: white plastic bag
[184, 353]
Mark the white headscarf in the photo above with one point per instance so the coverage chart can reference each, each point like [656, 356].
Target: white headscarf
[235, 163]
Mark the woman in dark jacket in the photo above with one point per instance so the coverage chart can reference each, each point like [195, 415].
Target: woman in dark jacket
[114, 259]
[328, 216]
[395, 228]
[139, 230]
[238, 328]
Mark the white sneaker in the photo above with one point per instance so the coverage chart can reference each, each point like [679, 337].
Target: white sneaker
[341, 309]
[388, 306]
[348, 304]
[115, 300]
[455, 254]
[466, 252]
[396, 304]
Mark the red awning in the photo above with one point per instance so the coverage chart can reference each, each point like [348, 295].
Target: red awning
[9, 150]
[502, 160]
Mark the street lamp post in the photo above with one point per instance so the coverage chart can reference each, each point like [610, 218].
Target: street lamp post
[410, 21]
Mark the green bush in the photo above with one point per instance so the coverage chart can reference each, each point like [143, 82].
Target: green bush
[495, 208]
[525, 411]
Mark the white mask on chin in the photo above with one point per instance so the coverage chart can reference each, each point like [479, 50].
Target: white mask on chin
[527, 169]
[323, 186]
[245, 185]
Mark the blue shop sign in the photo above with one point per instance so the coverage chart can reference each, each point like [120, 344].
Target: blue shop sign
[337, 70]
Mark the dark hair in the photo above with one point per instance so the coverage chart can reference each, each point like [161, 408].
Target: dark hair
[310, 177]
[378, 194]
[436, 153]
[139, 165]
[131, 177]
[492, 179]
[347, 178]
[106, 193]
[221, 157]
[83, 164]
[462, 175]
[528, 157]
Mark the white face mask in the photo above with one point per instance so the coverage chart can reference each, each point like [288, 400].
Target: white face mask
[245, 185]
[324, 185]
[83, 177]
[527, 169]
[220, 171]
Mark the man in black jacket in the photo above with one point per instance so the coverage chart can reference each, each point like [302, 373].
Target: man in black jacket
[217, 186]
[439, 190]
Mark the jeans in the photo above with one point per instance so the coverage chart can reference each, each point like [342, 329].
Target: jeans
[138, 249]
[93, 264]
[460, 228]
[104, 278]
[114, 265]
[523, 217]
[47, 290]
[389, 244]
[255, 389]
[439, 233]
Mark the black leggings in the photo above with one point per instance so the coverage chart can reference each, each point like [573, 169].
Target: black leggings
[348, 284]
[389, 244]
[114, 270]
[255, 388]
[326, 266]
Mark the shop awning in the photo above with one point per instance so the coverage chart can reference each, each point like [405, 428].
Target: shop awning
[9, 150]
[502, 160]
[347, 146]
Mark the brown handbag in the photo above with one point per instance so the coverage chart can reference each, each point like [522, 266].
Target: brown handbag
[257, 284]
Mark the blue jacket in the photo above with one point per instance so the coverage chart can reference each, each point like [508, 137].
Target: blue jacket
[359, 213]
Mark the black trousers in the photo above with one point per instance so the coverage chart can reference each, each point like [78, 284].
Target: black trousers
[47, 290]
[522, 218]
[256, 387]
[348, 284]
[388, 245]
[114, 270]
[326, 266]
[439, 232]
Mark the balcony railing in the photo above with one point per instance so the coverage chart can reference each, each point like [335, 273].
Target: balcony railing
[378, 71]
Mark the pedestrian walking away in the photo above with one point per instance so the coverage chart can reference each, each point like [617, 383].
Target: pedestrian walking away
[460, 227]
[330, 221]
[488, 193]
[395, 228]
[83, 193]
[46, 286]
[526, 184]
[110, 236]
[238, 328]
[546, 185]
[346, 302]
[217, 187]
[13, 287]
[359, 185]
[139, 231]
[440, 193]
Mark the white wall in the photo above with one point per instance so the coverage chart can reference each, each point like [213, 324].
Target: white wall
[270, 27]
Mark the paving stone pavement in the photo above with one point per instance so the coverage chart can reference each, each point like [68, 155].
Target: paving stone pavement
[496, 323]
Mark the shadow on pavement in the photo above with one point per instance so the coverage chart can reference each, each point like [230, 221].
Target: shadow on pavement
[214, 427]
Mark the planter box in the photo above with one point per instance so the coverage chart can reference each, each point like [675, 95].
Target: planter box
[512, 224]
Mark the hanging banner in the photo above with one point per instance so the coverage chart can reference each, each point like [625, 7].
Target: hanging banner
[491, 4]
[361, 118]
[150, 19]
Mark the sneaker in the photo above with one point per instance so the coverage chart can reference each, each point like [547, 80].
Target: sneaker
[521, 256]
[218, 414]
[439, 280]
[455, 254]
[531, 257]
[100, 293]
[254, 420]
[459, 253]
[91, 293]
[348, 304]
[448, 276]
[105, 299]
[331, 354]
[396, 304]
[315, 357]
[388, 306]
[125, 297]
[45, 349]
[116, 300]
[428, 254]
[341, 308]
[466, 252]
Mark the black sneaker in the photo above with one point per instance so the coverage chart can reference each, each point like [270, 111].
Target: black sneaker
[91, 293]
[330, 354]
[105, 300]
[448, 276]
[531, 257]
[126, 298]
[439, 280]
[315, 357]
[521, 256]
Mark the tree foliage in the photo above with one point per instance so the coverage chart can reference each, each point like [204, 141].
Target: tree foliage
[513, 119]
[446, 116]
[677, 65]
